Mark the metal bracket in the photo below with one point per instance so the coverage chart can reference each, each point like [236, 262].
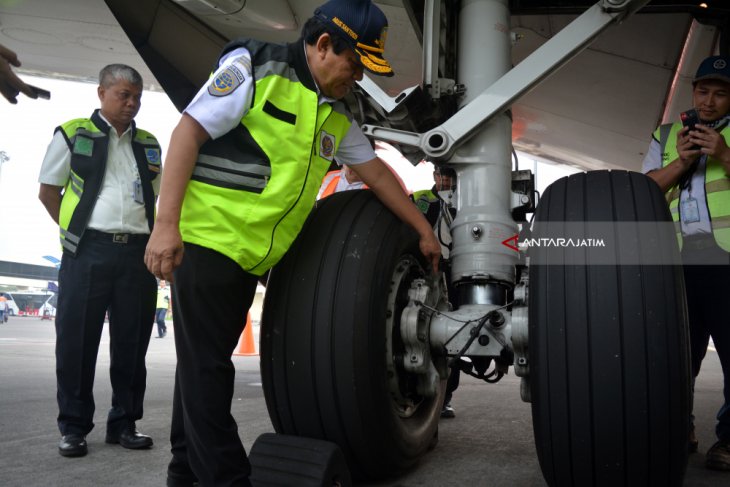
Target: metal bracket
[520, 336]
[414, 330]
[388, 103]
[626, 6]
[431, 34]
[441, 142]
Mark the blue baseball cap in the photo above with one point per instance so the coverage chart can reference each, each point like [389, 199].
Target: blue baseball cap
[364, 26]
[714, 67]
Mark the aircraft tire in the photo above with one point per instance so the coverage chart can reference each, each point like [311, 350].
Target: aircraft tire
[323, 340]
[608, 344]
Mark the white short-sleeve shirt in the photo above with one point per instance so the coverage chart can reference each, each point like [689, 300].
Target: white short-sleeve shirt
[115, 209]
[220, 105]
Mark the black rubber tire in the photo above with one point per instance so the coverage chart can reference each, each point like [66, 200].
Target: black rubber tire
[608, 344]
[282, 460]
[323, 340]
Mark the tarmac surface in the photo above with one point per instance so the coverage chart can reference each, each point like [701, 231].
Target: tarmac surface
[489, 443]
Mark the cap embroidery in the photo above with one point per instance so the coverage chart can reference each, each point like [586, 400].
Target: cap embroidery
[364, 26]
[344, 27]
[719, 64]
[380, 42]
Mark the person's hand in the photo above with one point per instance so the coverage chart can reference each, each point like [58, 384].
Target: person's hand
[713, 144]
[686, 148]
[431, 249]
[709, 141]
[164, 251]
[10, 84]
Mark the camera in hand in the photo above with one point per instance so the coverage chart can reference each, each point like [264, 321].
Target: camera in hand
[40, 92]
[690, 118]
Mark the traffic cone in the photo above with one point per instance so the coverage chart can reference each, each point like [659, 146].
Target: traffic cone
[246, 345]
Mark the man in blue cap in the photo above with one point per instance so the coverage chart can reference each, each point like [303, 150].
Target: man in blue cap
[692, 164]
[244, 166]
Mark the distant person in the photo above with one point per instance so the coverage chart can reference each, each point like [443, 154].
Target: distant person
[436, 205]
[163, 304]
[692, 166]
[99, 182]
[3, 309]
[346, 179]
[245, 164]
[10, 85]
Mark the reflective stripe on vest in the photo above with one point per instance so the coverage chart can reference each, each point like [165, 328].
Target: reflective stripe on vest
[248, 177]
[253, 188]
[717, 187]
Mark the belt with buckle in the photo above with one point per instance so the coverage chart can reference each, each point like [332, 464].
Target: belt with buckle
[120, 238]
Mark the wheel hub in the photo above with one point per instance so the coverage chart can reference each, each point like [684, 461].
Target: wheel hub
[412, 376]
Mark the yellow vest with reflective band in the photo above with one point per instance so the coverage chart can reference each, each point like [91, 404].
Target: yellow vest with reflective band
[163, 298]
[428, 202]
[252, 189]
[88, 141]
[423, 198]
[717, 186]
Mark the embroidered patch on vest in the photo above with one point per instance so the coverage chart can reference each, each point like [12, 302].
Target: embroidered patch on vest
[226, 82]
[422, 205]
[153, 155]
[326, 145]
[83, 146]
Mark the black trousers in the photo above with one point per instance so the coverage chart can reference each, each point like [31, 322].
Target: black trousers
[211, 296]
[103, 276]
[160, 315]
[708, 290]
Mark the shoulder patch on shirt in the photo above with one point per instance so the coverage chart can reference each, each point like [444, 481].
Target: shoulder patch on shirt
[326, 145]
[153, 155]
[226, 82]
[83, 146]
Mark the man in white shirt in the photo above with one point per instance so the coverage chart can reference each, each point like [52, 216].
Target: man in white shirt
[99, 182]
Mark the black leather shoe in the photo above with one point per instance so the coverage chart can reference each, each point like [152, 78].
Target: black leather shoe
[130, 438]
[73, 445]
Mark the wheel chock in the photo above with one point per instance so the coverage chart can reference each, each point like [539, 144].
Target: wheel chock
[285, 461]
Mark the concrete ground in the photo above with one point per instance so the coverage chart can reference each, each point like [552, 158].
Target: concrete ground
[489, 443]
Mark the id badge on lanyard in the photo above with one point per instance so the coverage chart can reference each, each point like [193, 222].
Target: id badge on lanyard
[137, 192]
[690, 210]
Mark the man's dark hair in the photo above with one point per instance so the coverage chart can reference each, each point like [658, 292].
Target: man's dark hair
[315, 27]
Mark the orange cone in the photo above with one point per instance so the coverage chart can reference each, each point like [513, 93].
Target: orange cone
[246, 345]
